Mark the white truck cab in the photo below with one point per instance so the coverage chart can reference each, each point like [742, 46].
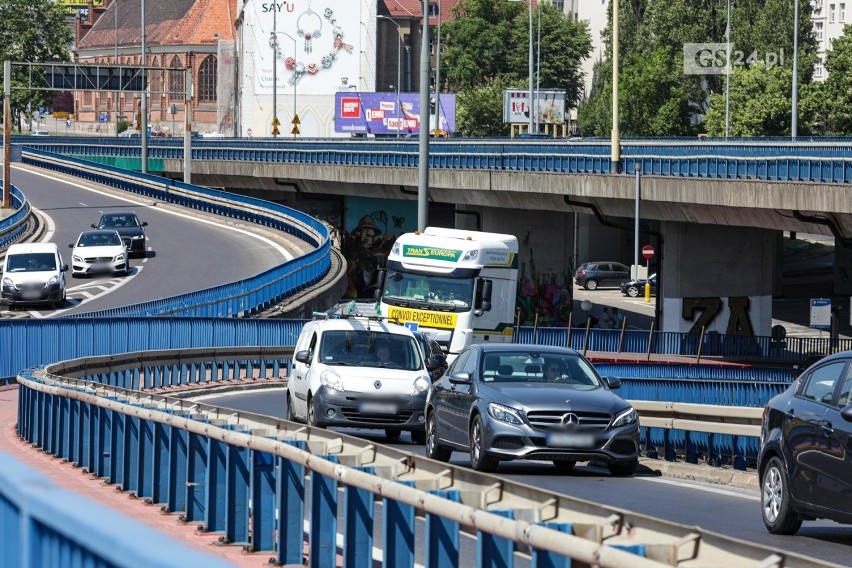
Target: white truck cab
[359, 372]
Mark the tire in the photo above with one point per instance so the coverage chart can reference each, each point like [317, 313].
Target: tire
[312, 413]
[778, 515]
[633, 291]
[564, 466]
[479, 460]
[435, 450]
[392, 433]
[622, 469]
[418, 437]
[591, 285]
[289, 414]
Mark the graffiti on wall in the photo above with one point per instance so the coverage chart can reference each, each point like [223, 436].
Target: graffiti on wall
[703, 312]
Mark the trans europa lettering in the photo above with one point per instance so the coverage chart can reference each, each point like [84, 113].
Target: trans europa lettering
[430, 252]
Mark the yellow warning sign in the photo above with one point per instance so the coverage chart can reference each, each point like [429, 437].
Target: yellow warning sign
[295, 130]
[275, 131]
[296, 120]
[441, 320]
[276, 122]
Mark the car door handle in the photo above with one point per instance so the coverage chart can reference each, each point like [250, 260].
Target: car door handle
[826, 425]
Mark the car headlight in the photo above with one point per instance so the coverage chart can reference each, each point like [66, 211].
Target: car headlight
[53, 280]
[628, 416]
[504, 413]
[8, 282]
[420, 384]
[119, 257]
[137, 237]
[332, 380]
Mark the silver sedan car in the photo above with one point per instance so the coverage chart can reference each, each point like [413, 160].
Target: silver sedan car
[534, 402]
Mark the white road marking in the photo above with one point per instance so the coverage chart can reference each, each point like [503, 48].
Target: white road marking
[745, 494]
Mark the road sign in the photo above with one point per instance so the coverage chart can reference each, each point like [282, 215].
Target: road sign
[276, 122]
[296, 121]
[295, 130]
[648, 251]
[820, 313]
[275, 131]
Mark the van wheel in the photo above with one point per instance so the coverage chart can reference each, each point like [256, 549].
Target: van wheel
[289, 414]
[312, 413]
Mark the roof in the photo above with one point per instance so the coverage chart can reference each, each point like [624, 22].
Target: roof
[360, 323]
[167, 22]
[31, 247]
[524, 348]
[414, 9]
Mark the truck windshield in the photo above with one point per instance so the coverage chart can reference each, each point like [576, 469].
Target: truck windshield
[431, 291]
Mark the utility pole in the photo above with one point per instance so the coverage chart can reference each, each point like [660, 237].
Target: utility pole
[423, 158]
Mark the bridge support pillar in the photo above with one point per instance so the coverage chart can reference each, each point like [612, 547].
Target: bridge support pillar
[717, 278]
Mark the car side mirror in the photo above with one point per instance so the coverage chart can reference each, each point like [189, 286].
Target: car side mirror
[846, 413]
[93, 226]
[460, 378]
[144, 224]
[435, 362]
[613, 383]
[303, 356]
[71, 245]
[64, 268]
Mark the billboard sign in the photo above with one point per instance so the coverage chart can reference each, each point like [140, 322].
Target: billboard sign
[550, 108]
[379, 113]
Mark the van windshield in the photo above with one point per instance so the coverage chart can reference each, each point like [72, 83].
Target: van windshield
[31, 262]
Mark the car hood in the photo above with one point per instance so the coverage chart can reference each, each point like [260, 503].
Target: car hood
[548, 396]
[39, 277]
[112, 250]
[363, 379]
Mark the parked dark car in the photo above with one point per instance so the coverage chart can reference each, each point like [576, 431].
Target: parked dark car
[805, 443]
[128, 226]
[593, 275]
[512, 401]
[636, 288]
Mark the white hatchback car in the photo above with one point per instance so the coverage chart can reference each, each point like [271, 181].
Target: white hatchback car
[359, 372]
[98, 252]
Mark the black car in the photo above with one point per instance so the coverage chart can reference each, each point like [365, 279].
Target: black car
[433, 355]
[593, 275]
[636, 288]
[128, 226]
[533, 402]
[805, 466]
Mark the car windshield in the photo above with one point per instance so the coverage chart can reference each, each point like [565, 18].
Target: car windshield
[453, 294]
[364, 348]
[99, 240]
[31, 262]
[533, 367]
[119, 221]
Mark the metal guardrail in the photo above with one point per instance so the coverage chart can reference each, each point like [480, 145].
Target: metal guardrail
[15, 224]
[818, 162]
[232, 470]
[236, 299]
[42, 524]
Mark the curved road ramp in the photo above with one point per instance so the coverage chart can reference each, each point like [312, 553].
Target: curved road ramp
[275, 486]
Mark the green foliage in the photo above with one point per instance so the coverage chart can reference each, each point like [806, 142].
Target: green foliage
[832, 103]
[32, 31]
[486, 44]
[124, 125]
[480, 110]
[657, 97]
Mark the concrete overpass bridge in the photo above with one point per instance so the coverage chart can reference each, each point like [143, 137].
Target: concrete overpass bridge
[715, 211]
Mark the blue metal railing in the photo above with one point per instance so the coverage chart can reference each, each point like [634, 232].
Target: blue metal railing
[42, 524]
[818, 161]
[15, 224]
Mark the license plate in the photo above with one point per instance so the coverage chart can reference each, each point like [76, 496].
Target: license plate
[377, 408]
[566, 440]
[31, 295]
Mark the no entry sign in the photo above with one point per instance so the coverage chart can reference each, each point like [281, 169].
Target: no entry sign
[648, 251]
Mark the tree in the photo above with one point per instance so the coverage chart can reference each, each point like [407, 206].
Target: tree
[833, 104]
[760, 103]
[486, 44]
[32, 31]
[480, 110]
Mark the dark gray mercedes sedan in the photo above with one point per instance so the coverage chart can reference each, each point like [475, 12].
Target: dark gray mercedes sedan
[533, 402]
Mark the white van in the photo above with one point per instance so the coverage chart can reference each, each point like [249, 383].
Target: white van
[359, 372]
[33, 273]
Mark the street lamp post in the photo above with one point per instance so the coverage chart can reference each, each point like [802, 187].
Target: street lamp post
[423, 145]
[273, 43]
[398, 70]
[532, 118]
[144, 103]
[615, 154]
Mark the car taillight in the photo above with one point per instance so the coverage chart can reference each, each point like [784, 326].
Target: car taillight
[580, 272]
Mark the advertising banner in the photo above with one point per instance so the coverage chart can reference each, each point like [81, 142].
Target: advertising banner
[315, 47]
[550, 107]
[379, 113]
